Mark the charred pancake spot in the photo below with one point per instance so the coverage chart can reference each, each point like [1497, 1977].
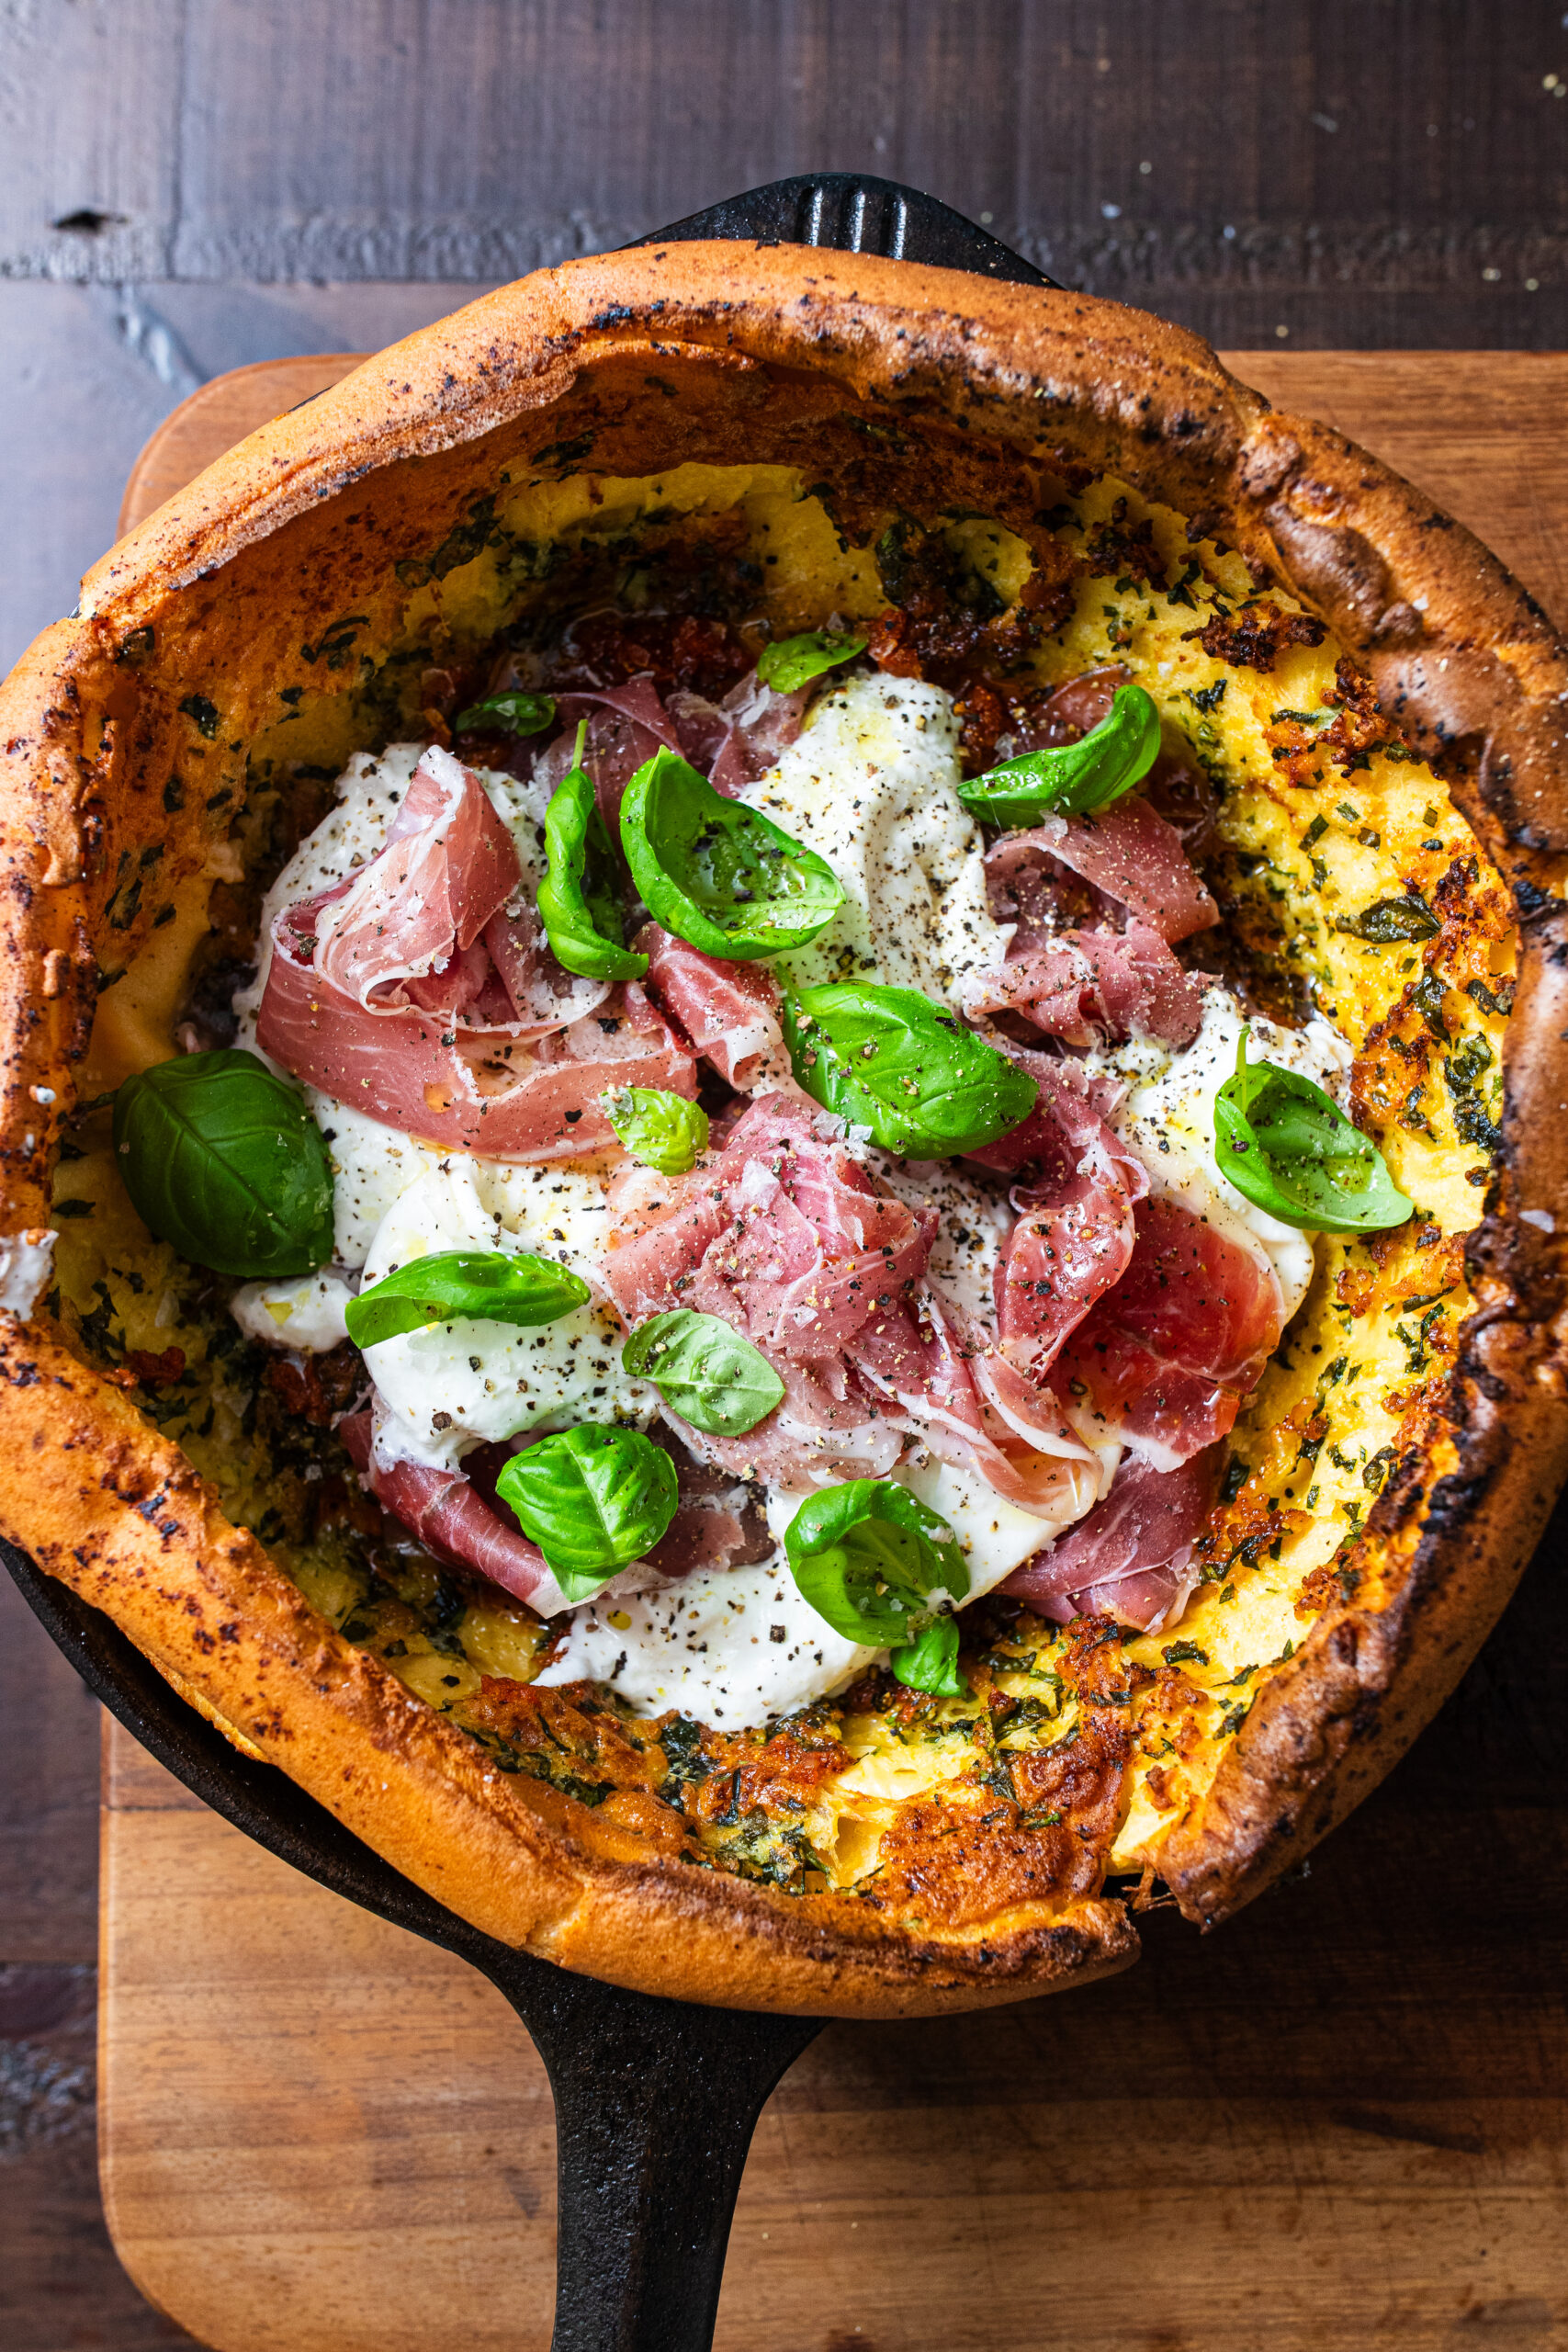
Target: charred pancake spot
[1254, 638]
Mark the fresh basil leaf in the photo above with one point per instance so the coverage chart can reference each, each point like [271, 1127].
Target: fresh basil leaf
[867, 1556]
[716, 873]
[593, 1499]
[223, 1161]
[706, 1372]
[1072, 779]
[456, 1285]
[931, 1661]
[578, 904]
[510, 714]
[1288, 1147]
[792, 662]
[1388, 920]
[890, 1060]
[660, 1129]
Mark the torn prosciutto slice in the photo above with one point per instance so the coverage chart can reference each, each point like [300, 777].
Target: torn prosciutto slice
[1131, 1557]
[781, 1235]
[448, 864]
[1163, 1361]
[1067, 1089]
[1089, 987]
[438, 919]
[626, 724]
[534, 992]
[1127, 853]
[458, 1515]
[718, 1522]
[452, 1519]
[737, 740]
[490, 1091]
[728, 1010]
[830, 1426]
[1063, 716]
[411, 993]
[971, 1409]
[1075, 1232]
[1176, 786]
[785, 1236]
[460, 990]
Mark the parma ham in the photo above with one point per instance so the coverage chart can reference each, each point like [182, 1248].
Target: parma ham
[458, 1515]
[490, 1091]
[780, 1234]
[788, 1238]
[446, 1511]
[1057, 1075]
[1163, 1360]
[1128, 855]
[534, 993]
[737, 740]
[718, 1522]
[447, 866]
[1065, 715]
[730, 1012]
[1075, 1236]
[950, 1389]
[423, 993]
[626, 724]
[1176, 786]
[1132, 1557]
[1089, 987]
[831, 1425]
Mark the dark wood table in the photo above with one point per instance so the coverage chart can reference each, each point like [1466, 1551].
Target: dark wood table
[182, 189]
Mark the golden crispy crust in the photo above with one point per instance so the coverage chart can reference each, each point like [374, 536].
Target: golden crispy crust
[121, 1516]
[772, 354]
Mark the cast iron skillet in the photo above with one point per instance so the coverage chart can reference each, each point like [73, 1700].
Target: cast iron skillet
[655, 2100]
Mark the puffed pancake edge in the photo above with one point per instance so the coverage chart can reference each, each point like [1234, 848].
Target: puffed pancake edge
[766, 347]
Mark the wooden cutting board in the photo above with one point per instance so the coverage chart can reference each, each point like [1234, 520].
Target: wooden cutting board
[1339, 2123]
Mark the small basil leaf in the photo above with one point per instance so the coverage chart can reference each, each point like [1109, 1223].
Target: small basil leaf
[866, 1556]
[456, 1286]
[223, 1160]
[793, 661]
[1392, 919]
[1288, 1147]
[931, 1661]
[593, 1499]
[577, 897]
[716, 873]
[512, 714]
[890, 1060]
[660, 1129]
[706, 1372]
[1072, 779]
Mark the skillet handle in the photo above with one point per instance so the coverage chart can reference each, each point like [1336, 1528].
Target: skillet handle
[853, 213]
[656, 2102]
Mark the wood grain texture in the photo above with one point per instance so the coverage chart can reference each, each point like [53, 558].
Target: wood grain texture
[214, 417]
[1482, 431]
[1339, 2123]
[1354, 174]
[61, 2286]
[178, 185]
[88, 372]
[398, 2144]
